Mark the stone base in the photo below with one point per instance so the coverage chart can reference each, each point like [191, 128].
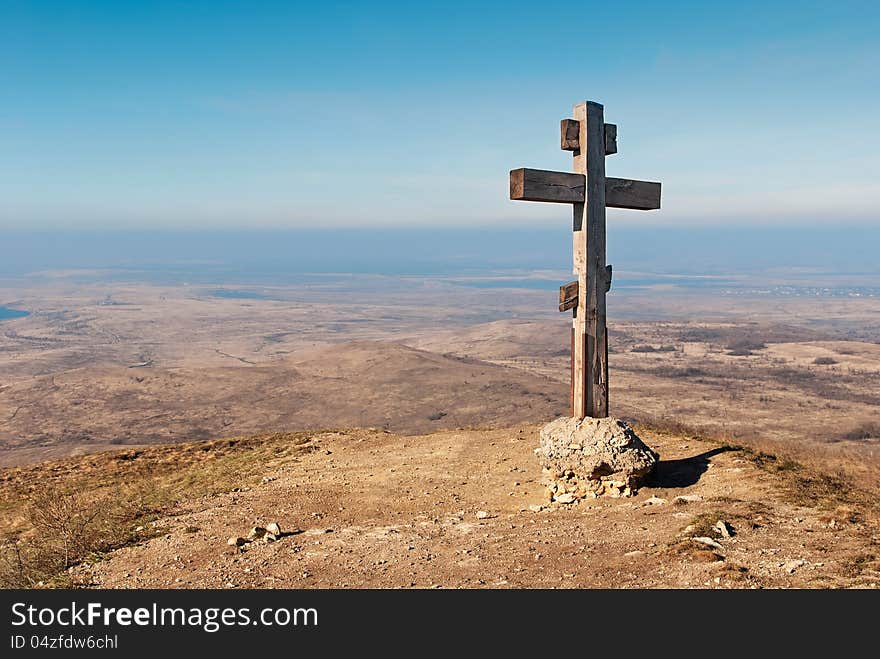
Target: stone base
[587, 458]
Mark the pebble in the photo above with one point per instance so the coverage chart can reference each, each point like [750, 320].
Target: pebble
[723, 528]
[535, 508]
[566, 498]
[709, 542]
[482, 514]
[791, 566]
[655, 501]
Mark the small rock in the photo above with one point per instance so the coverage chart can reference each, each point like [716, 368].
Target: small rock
[236, 542]
[273, 528]
[267, 479]
[725, 529]
[482, 514]
[655, 501]
[256, 533]
[709, 542]
[791, 566]
[535, 508]
[637, 552]
[566, 498]
[684, 499]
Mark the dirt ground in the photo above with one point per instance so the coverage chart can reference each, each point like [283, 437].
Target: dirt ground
[370, 509]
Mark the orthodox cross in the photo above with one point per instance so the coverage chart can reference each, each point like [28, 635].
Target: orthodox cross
[589, 139]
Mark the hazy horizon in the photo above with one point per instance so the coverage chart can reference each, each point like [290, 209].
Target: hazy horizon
[267, 256]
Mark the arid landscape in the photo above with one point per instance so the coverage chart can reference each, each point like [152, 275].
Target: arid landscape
[416, 400]
[451, 509]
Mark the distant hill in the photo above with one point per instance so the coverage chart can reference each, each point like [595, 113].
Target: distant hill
[366, 383]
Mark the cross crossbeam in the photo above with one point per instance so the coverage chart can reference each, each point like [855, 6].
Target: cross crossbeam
[589, 191]
[566, 188]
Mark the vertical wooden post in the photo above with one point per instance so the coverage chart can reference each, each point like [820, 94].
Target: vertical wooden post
[573, 374]
[590, 353]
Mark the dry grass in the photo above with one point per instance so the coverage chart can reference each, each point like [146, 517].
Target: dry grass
[813, 474]
[704, 523]
[55, 515]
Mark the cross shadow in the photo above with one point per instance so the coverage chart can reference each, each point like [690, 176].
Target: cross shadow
[682, 472]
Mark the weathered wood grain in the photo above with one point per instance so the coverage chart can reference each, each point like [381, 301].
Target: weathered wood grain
[568, 294]
[635, 195]
[542, 185]
[566, 188]
[579, 252]
[610, 139]
[593, 295]
[568, 134]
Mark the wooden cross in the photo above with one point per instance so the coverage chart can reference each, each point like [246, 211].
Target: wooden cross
[590, 191]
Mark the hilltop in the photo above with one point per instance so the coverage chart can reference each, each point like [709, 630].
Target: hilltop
[457, 508]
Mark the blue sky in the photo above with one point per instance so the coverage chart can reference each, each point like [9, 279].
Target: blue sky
[291, 114]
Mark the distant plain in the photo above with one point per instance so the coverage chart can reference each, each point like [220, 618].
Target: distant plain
[121, 355]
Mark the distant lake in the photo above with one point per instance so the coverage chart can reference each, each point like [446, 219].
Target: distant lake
[232, 294]
[537, 284]
[619, 282]
[8, 314]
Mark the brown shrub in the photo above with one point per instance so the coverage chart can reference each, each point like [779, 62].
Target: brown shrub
[869, 430]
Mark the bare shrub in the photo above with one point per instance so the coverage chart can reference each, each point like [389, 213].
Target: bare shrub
[676, 372]
[65, 528]
[824, 361]
[868, 430]
[745, 345]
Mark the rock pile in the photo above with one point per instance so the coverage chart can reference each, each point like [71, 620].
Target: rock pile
[586, 458]
[270, 533]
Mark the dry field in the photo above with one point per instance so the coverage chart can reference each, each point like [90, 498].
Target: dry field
[117, 380]
[101, 365]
